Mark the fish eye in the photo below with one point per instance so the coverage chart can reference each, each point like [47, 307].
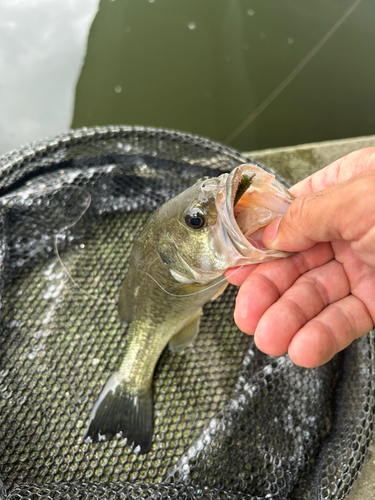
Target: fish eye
[195, 221]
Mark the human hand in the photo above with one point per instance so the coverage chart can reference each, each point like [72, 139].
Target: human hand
[316, 302]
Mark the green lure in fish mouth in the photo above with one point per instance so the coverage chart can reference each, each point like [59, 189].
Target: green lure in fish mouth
[243, 186]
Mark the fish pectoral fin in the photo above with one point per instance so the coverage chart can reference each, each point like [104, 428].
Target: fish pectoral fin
[220, 291]
[126, 303]
[186, 289]
[120, 409]
[187, 334]
[125, 315]
[127, 300]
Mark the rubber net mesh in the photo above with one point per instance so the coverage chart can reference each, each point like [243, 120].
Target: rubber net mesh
[230, 422]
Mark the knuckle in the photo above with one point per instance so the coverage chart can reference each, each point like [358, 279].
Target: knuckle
[319, 287]
[300, 263]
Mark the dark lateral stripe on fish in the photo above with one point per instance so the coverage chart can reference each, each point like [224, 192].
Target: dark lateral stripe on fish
[243, 186]
[130, 414]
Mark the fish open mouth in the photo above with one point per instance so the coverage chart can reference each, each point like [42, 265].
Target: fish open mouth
[254, 198]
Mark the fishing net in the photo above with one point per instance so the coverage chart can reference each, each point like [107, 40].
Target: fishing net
[230, 422]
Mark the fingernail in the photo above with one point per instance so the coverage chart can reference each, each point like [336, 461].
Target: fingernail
[270, 233]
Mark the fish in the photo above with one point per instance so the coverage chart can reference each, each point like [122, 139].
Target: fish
[176, 266]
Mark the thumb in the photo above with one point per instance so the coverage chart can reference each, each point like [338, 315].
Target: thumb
[345, 211]
[293, 232]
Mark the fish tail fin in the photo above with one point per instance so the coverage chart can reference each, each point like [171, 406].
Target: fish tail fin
[122, 409]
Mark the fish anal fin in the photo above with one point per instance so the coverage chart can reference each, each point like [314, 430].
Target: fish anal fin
[187, 334]
[220, 291]
[121, 410]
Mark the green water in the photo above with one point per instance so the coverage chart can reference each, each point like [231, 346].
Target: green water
[205, 66]
[201, 66]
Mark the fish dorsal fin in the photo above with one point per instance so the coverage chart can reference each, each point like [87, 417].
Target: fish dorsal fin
[187, 333]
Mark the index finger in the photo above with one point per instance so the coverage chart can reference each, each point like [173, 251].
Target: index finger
[237, 275]
[270, 280]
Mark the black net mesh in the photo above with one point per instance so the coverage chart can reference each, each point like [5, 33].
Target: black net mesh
[230, 422]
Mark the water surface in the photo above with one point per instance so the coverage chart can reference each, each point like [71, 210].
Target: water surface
[200, 66]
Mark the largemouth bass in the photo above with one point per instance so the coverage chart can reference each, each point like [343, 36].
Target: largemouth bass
[176, 266]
